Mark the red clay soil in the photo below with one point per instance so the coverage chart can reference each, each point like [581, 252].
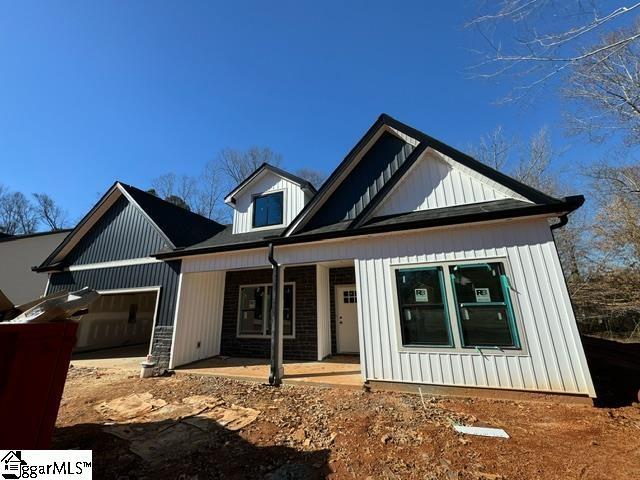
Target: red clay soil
[313, 432]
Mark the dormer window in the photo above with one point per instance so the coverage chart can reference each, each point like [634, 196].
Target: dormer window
[267, 209]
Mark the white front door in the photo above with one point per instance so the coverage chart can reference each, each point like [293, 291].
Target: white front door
[347, 319]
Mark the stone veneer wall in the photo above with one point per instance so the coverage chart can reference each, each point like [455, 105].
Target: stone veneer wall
[305, 344]
[161, 347]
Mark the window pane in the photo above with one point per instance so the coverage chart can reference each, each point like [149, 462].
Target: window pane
[252, 310]
[424, 326]
[260, 212]
[486, 325]
[267, 311]
[274, 215]
[288, 310]
[423, 314]
[419, 286]
[483, 305]
[478, 283]
[267, 209]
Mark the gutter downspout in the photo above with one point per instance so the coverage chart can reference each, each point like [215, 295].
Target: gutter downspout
[564, 219]
[275, 376]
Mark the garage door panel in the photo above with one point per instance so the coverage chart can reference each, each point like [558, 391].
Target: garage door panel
[116, 320]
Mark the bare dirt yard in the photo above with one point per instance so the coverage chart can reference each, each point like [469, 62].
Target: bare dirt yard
[199, 427]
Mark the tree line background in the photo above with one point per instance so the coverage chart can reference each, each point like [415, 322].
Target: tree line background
[585, 54]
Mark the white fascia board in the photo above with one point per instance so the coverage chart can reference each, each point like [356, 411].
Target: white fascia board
[113, 264]
[76, 236]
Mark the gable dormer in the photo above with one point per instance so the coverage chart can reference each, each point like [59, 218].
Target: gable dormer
[268, 199]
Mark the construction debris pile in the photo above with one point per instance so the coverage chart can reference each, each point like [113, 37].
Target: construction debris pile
[158, 430]
[55, 307]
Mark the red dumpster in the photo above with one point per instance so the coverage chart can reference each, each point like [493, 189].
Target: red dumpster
[34, 360]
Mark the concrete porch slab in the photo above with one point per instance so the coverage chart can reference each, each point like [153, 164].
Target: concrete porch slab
[338, 371]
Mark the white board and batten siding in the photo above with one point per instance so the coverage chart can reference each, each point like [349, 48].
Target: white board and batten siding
[552, 358]
[437, 181]
[294, 199]
[198, 320]
[323, 314]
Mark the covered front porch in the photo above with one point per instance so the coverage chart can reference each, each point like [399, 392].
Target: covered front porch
[296, 323]
[336, 371]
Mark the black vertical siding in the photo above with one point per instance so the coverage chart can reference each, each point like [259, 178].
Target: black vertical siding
[362, 184]
[123, 232]
[163, 274]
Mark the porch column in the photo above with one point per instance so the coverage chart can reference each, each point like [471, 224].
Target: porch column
[277, 291]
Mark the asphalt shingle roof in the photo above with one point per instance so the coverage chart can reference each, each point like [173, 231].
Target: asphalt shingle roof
[181, 226]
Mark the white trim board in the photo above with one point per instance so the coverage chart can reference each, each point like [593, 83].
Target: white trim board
[113, 264]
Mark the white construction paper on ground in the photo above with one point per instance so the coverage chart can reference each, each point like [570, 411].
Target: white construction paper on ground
[482, 431]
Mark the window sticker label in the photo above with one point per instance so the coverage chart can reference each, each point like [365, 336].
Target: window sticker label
[421, 295]
[482, 295]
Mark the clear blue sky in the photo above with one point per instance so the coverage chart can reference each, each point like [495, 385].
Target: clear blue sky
[97, 91]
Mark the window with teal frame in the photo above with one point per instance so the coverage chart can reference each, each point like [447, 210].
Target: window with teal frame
[424, 317]
[483, 303]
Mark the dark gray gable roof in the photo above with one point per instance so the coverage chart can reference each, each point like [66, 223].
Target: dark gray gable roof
[437, 217]
[305, 184]
[122, 232]
[359, 220]
[226, 238]
[181, 226]
[425, 140]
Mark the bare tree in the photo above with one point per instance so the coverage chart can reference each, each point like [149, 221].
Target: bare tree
[315, 177]
[236, 165]
[531, 163]
[607, 300]
[50, 213]
[606, 89]
[574, 246]
[209, 194]
[528, 162]
[179, 190]
[17, 215]
[494, 148]
[203, 193]
[617, 226]
[536, 41]
[535, 162]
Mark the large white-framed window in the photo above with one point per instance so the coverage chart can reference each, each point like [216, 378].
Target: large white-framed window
[254, 310]
[457, 305]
